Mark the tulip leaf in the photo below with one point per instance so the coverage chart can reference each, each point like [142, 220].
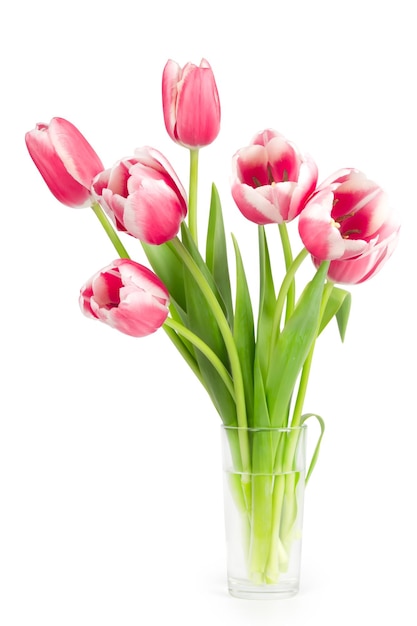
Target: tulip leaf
[314, 458]
[168, 268]
[342, 315]
[202, 322]
[261, 413]
[338, 305]
[216, 252]
[190, 245]
[267, 302]
[244, 331]
[292, 348]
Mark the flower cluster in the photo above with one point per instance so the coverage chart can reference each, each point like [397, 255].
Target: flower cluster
[254, 368]
[345, 224]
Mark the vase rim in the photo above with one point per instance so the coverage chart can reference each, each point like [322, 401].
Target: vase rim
[281, 429]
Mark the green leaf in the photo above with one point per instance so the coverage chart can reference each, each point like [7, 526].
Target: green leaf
[292, 348]
[342, 315]
[267, 300]
[338, 305]
[169, 268]
[244, 331]
[216, 253]
[201, 321]
[317, 448]
[190, 245]
[260, 412]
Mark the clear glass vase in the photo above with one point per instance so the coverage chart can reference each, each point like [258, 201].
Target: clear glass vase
[264, 481]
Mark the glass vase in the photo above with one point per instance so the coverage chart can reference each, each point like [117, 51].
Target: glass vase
[264, 481]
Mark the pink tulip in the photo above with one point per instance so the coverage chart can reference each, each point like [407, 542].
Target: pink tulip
[143, 195]
[191, 104]
[349, 222]
[126, 296]
[271, 179]
[65, 160]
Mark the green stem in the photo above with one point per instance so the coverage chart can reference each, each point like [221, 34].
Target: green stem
[121, 251]
[262, 487]
[305, 374]
[282, 295]
[182, 253]
[288, 258]
[205, 349]
[192, 196]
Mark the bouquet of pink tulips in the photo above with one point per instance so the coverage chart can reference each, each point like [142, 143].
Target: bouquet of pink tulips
[255, 368]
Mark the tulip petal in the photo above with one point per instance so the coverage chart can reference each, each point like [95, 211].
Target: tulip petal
[254, 206]
[78, 157]
[198, 108]
[156, 160]
[142, 277]
[283, 159]
[61, 184]
[265, 136]
[152, 214]
[170, 78]
[318, 230]
[250, 166]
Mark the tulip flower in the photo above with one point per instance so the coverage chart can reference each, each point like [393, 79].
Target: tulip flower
[126, 296]
[143, 196]
[65, 160]
[272, 180]
[191, 104]
[348, 221]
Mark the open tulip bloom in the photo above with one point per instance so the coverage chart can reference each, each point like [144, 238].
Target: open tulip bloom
[255, 368]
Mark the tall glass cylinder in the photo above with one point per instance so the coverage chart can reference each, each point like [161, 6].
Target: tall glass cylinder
[264, 481]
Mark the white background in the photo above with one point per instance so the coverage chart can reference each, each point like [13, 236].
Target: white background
[111, 506]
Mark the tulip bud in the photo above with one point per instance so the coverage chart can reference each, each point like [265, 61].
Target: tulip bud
[128, 297]
[191, 104]
[65, 160]
[272, 180]
[143, 196]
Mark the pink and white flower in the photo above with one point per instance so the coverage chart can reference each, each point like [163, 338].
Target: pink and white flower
[128, 297]
[349, 222]
[272, 180]
[65, 160]
[190, 103]
[143, 196]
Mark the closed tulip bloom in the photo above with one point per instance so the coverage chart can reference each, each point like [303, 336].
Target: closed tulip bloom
[191, 104]
[143, 195]
[128, 297]
[349, 222]
[272, 180]
[65, 160]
